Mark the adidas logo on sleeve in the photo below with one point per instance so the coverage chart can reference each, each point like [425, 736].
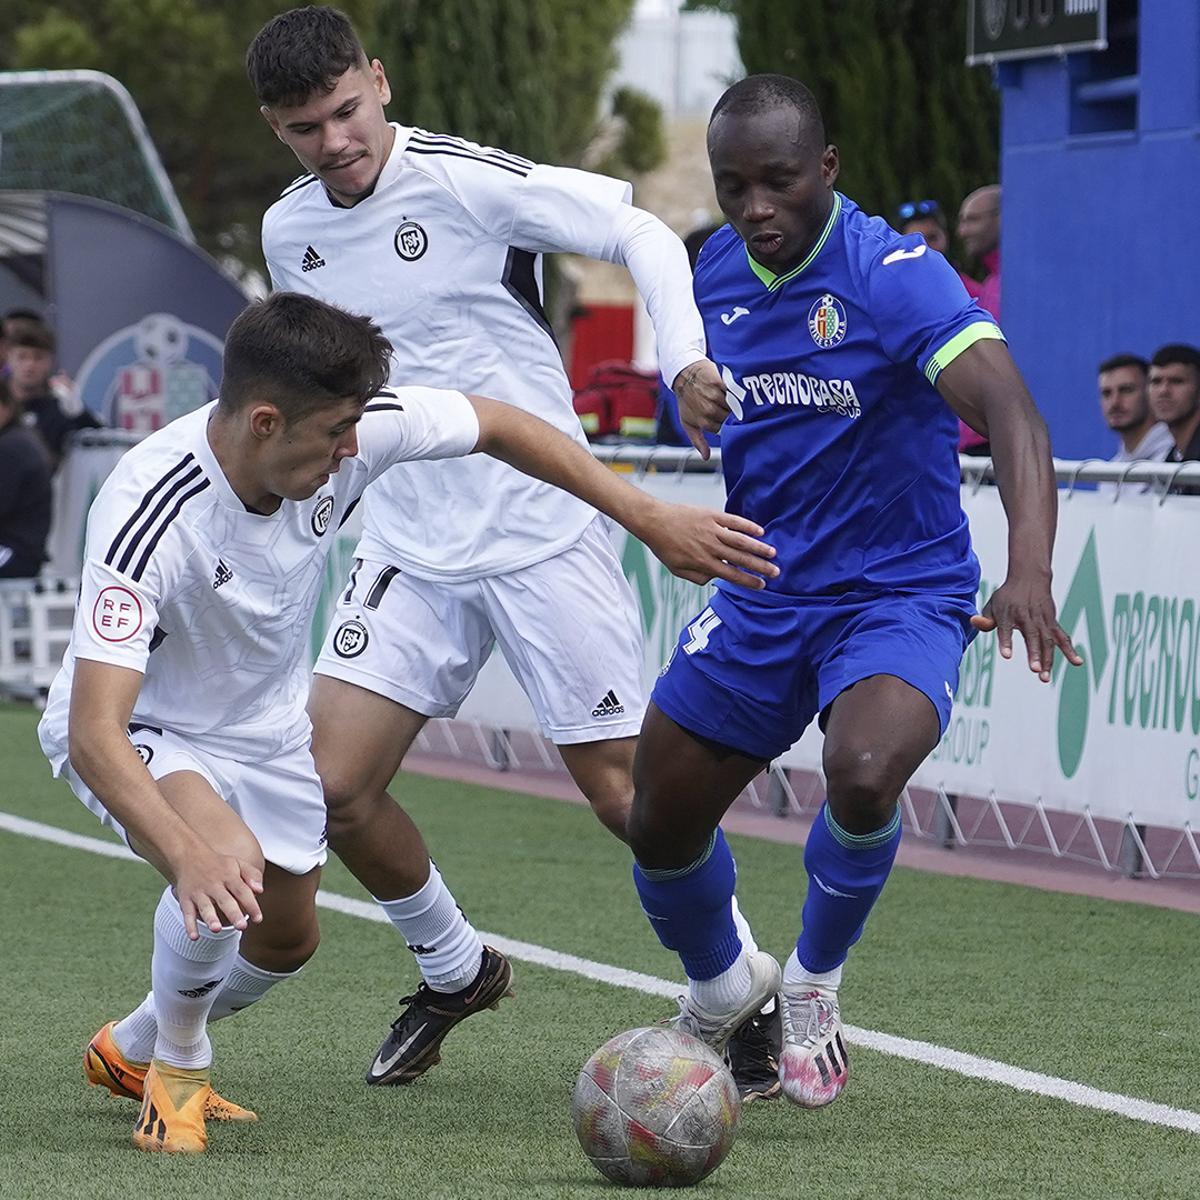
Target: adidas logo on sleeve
[610, 706]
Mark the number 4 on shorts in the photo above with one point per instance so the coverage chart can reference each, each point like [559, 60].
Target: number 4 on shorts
[700, 629]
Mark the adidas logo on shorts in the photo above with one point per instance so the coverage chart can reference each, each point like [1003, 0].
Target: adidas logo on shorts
[610, 706]
[311, 260]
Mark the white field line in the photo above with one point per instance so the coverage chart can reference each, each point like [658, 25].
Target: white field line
[885, 1043]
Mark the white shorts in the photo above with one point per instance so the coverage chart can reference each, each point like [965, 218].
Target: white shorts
[280, 800]
[568, 628]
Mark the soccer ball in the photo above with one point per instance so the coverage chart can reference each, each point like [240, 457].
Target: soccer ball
[161, 340]
[655, 1107]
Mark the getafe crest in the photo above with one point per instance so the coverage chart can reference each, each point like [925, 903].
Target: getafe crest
[827, 321]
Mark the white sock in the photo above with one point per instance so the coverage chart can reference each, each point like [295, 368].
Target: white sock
[725, 992]
[743, 928]
[136, 1033]
[449, 952]
[245, 985]
[794, 975]
[186, 977]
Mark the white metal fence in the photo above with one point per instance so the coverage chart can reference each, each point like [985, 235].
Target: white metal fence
[1118, 787]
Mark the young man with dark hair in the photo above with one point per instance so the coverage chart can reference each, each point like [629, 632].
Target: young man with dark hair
[1175, 398]
[179, 714]
[834, 438]
[1125, 406]
[31, 349]
[25, 497]
[440, 239]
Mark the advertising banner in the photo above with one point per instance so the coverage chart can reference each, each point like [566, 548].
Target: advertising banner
[1119, 735]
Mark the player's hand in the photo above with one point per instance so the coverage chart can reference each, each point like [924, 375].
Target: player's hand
[699, 544]
[217, 890]
[702, 404]
[1026, 604]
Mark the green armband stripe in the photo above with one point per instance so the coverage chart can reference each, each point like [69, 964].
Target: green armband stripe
[963, 340]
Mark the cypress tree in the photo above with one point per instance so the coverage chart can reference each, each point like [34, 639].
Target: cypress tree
[527, 77]
[911, 120]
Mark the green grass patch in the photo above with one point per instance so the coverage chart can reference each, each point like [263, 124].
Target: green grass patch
[1094, 991]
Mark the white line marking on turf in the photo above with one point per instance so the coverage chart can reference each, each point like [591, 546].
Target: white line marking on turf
[885, 1043]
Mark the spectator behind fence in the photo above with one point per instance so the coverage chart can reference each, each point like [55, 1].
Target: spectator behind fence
[1175, 400]
[31, 380]
[1125, 406]
[979, 232]
[926, 218]
[11, 321]
[24, 494]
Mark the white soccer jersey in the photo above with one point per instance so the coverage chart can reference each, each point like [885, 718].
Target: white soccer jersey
[212, 602]
[444, 255]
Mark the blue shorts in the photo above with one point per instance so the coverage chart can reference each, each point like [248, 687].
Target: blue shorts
[751, 672]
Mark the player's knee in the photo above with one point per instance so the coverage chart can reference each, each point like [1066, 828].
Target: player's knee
[861, 784]
[284, 949]
[655, 842]
[347, 804]
[612, 807]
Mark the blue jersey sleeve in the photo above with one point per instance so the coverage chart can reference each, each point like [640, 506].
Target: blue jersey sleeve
[921, 309]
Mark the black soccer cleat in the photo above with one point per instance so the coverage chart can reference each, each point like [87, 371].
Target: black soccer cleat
[754, 1056]
[412, 1046]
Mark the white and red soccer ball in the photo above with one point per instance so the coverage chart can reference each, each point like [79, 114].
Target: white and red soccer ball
[655, 1108]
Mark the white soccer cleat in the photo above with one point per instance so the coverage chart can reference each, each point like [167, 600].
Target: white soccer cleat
[813, 1067]
[715, 1029]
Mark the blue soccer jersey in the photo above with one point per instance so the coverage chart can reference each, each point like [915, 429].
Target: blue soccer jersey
[839, 444]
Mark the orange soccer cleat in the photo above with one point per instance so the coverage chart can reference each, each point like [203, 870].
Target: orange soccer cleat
[105, 1066]
[172, 1116]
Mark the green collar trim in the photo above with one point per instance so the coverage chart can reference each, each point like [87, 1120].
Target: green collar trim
[774, 282]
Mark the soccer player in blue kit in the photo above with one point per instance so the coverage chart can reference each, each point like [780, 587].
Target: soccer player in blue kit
[848, 353]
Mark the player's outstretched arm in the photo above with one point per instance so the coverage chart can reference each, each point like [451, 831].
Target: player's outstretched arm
[986, 390]
[697, 544]
[218, 890]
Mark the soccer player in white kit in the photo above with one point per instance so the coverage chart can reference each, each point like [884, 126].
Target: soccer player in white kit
[440, 240]
[179, 714]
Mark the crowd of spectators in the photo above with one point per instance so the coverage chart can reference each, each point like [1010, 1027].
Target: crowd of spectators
[1153, 406]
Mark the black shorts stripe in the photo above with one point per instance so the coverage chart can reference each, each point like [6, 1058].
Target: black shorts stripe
[457, 143]
[380, 586]
[194, 491]
[297, 184]
[147, 500]
[177, 484]
[491, 162]
[520, 281]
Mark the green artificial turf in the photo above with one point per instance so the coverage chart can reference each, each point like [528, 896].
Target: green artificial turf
[1097, 992]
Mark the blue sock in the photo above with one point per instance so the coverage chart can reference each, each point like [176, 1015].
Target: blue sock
[846, 873]
[691, 912]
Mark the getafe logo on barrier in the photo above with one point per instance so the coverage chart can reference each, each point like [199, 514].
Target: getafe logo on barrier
[145, 375]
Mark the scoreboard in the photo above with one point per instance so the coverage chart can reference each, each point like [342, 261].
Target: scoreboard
[1008, 29]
